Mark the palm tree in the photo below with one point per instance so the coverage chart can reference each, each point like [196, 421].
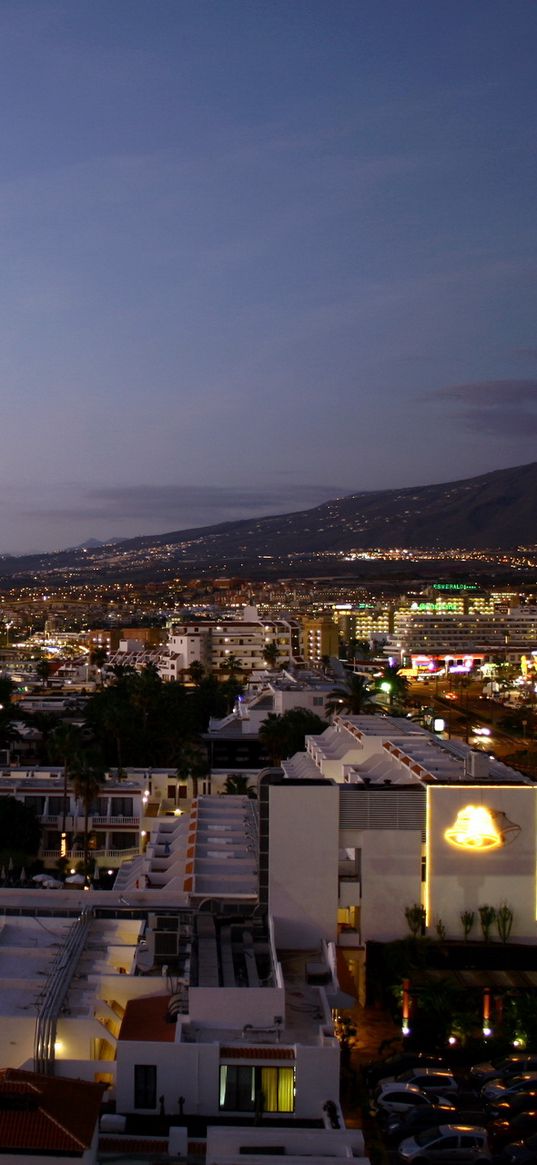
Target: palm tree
[352, 695]
[45, 723]
[236, 785]
[270, 653]
[395, 685]
[43, 669]
[66, 746]
[231, 665]
[273, 735]
[193, 764]
[98, 658]
[285, 735]
[87, 783]
[197, 671]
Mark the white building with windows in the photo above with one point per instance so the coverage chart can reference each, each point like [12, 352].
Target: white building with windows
[212, 642]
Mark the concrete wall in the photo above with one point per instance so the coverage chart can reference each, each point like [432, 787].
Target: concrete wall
[232, 1007]
[460, 879]
[391, 880]
[189, 1070]
[227, 1144]
[303, 863]
[317, 1079]
[192, 1071]
[17, 1038]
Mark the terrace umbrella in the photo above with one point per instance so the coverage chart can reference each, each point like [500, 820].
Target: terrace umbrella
[22, 877]
[76, 880]
[40, 878]
[10, 865]
[3, 874]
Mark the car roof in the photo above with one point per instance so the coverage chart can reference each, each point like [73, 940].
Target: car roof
[463, 1129]
[398, 1086]
[429, 1071]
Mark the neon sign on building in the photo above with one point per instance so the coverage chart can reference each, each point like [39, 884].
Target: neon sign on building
[477, 828]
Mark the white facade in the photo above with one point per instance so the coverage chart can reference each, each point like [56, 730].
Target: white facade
[212, 642]
[303, 862]
[400, 790]
[513, 630]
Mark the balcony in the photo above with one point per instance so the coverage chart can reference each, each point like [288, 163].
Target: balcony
[132, 821]
[77, 855]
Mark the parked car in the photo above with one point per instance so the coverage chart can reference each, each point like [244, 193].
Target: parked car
[522, 1152]
[498, 1089]
[398, 1125]
[394, 1065]
[504, 1132]
[503, 1066]
[447, 1143]
[431, 1079]
[509, 1106]
[395, 1096]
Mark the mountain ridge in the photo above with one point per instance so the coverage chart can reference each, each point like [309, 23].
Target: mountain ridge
[493, 511]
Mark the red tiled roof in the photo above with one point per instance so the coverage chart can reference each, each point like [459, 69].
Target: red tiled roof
[47, 1113]
[145, 1019]
[251, 1053]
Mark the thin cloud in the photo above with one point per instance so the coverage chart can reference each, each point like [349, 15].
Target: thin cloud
[528, 353]
[180, 504]
[502, 407]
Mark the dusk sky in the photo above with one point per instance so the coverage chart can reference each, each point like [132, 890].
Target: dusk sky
[260, 253]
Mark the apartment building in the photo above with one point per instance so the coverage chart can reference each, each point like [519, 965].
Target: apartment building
[212, 643]
[364, 621]
[122, 819]
[160, 998]
[509, 633]
[408, 818]
[320, 639]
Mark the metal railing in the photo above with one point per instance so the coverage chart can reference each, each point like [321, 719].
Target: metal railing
[78, 854]
[54, 992]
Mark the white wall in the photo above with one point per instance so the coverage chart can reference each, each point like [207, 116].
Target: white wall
[462, 880]
[391, 880]
[17, 1037]
[232, 1007]
[225, 1144]
[317, 1078]
[192, 1071]
[189, 1070]
[303, 863]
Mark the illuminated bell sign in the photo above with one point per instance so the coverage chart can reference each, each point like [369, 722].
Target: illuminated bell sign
[478, 828]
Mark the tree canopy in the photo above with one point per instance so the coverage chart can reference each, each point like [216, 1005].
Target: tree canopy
[353, 695]
[138, 719]
[284, 735]
[20, 831]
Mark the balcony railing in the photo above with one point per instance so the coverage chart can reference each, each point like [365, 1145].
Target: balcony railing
[115, 821]
[78, 854]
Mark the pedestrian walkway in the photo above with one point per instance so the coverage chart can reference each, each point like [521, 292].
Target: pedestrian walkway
[377, 1035]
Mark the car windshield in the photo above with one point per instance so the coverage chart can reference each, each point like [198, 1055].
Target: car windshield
[427, 1137]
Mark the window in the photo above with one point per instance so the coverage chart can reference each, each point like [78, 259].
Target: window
[318, 701]
[248, 1088]
[35, 803]
[145, 1085]
[121, 807]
